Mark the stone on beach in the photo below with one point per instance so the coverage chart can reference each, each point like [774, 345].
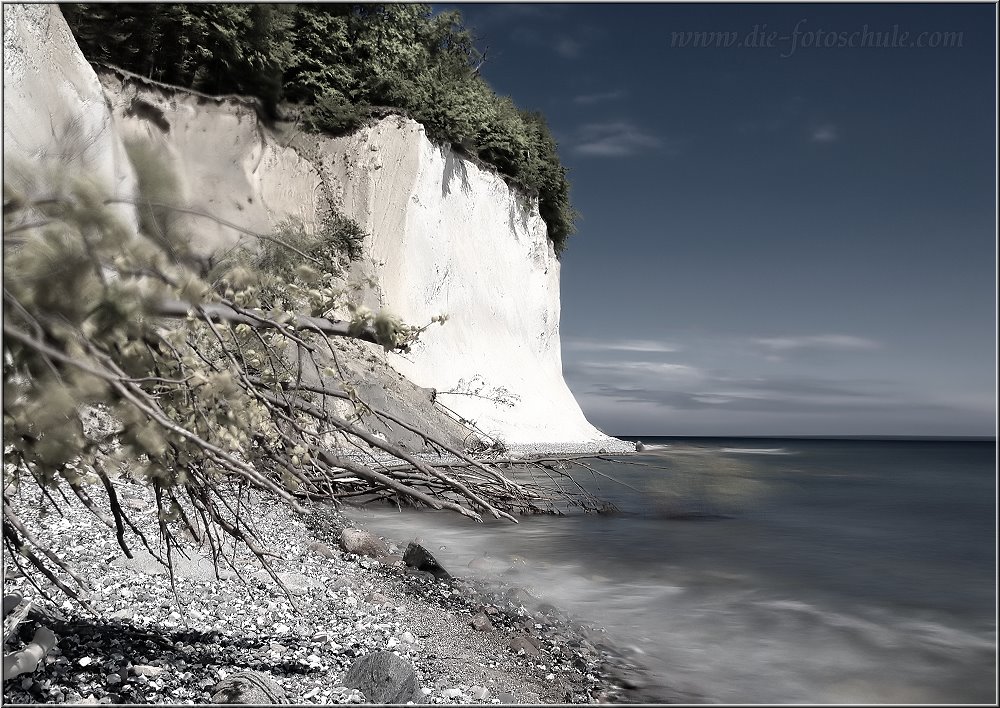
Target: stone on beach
[419, 558]
[479, 693]
[249, 688]
[520, 596]
[481, 623]
[521, 642]
[384, 677]
[377, 598]
[321, 549]
[363, 543]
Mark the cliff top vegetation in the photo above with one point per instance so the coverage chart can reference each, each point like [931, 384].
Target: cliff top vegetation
[338, 62]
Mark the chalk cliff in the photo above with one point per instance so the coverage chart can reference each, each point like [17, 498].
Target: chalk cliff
[446, 235]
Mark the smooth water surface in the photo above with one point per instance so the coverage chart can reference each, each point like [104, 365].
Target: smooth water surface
[763, 570]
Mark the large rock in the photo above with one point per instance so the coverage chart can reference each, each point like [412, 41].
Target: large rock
[481, 623]
[420, 558]
[384, 677]
[363, 543]
[249, 688]
[521, 642]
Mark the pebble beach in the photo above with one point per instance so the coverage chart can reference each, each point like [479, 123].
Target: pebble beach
[468, 638]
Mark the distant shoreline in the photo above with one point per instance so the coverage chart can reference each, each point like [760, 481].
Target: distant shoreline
[859, 438]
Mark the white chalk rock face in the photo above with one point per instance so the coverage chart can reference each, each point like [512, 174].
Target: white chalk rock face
[223, 162]
[56, 121]
[449, 237]
[446, 235]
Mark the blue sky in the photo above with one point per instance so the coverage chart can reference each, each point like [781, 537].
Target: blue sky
[774, 240]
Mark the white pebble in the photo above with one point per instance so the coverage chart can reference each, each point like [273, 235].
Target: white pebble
[480, 693]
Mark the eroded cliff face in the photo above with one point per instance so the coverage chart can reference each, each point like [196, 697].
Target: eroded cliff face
[55, 118]
[446, 236]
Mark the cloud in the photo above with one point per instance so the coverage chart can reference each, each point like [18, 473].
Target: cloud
[541, 29]
[588, 99]
[818, 341]
[567, 47]
[824, 134]
[788, 396]
[626, 345]
[655, 368]
[683, 387]
[614, 139]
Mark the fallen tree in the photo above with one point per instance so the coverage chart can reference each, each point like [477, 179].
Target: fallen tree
[200, 377]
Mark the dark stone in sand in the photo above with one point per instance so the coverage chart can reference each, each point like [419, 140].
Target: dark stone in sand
[384, 678]
[481, 623]
[420, 558]
[249, 688]
[519, 642]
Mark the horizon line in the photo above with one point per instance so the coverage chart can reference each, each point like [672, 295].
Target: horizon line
[955, 438]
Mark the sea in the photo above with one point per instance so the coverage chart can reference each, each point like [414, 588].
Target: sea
[767, 570]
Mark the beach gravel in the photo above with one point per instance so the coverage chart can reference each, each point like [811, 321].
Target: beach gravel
[151, 646]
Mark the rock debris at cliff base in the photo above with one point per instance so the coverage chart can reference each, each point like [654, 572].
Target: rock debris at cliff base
[146, 649]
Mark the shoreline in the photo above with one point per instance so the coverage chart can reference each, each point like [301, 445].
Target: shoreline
[351, 606]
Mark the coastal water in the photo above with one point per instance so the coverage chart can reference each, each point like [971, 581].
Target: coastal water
[765, 570]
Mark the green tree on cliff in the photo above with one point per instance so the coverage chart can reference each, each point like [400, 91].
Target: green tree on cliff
[339, 61]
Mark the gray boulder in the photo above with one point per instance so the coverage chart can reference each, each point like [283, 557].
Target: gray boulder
[420, 558]
[363, 543]
[321, 549]
[249, 688]
[384, 678]
[519, 642]
[481, 623]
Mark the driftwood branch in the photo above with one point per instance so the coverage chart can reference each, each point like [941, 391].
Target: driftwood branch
[254, 318]
[27, 660]
[12, 619]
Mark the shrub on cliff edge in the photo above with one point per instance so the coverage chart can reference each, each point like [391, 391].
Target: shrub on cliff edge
[340, 61]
